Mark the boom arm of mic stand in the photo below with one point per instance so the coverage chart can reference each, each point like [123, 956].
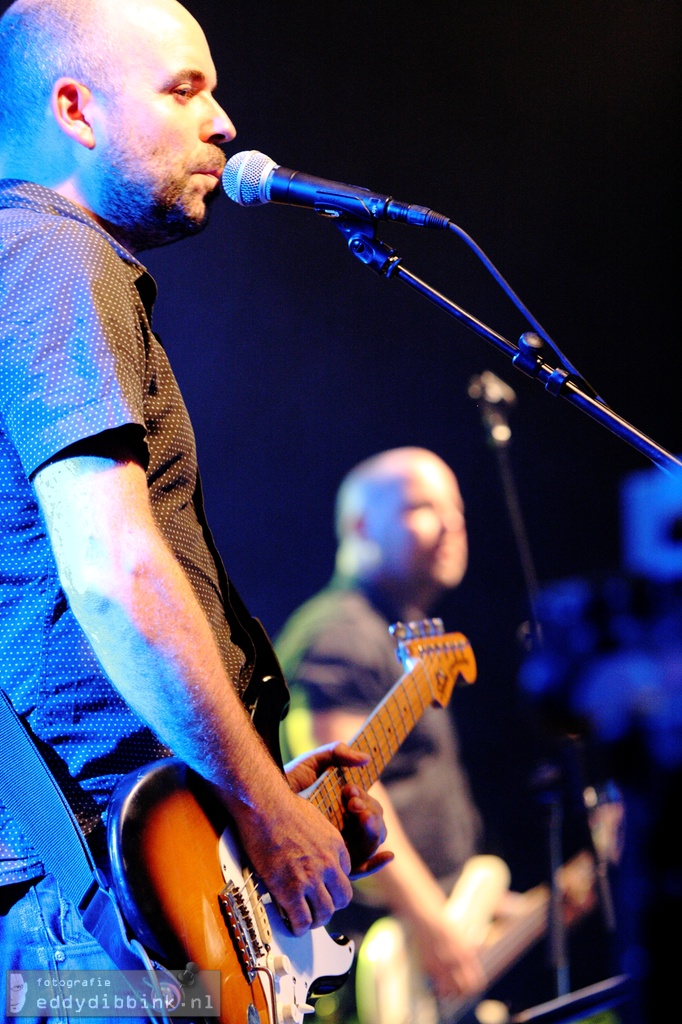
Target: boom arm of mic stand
[525, 356]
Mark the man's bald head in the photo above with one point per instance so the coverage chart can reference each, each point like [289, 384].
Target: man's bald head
[41, 41]
[400, 525]
[368, 484]
[111, 104]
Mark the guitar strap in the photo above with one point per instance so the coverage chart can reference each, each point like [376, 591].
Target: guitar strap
[51, 827]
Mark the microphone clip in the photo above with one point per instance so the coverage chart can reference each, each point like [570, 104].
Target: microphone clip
[365, 246]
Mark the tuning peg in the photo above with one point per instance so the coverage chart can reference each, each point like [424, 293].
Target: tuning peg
[436, 627]
[418, 628]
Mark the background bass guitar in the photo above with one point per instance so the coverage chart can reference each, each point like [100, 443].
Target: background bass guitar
[391, 988]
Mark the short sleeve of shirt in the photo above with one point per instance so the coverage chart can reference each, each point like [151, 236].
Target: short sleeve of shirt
[72, 354]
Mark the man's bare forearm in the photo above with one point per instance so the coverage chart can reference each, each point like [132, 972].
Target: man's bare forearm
[147, 628]
[141, 616]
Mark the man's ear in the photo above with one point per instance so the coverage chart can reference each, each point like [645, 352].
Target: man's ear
[69, 103]
[358, 526]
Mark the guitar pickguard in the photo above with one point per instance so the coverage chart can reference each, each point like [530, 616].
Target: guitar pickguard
[297, 967]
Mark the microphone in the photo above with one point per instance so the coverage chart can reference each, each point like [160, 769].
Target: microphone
[489, 388]
[494, 395]
[251, 179]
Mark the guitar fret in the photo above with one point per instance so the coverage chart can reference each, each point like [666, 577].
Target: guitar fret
[373, 746]
[327, 798]
[405, 713]
[388, 750]
[403, 732]
[512, 945]
[423, 703]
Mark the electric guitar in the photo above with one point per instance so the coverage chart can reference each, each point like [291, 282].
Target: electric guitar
[186, 890]
[390, 987]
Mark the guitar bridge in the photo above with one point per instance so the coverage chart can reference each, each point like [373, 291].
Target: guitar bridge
[242, 929]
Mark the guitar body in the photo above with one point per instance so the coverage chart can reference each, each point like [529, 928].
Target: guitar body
[180, 881]
[179, 874]
[390, 986]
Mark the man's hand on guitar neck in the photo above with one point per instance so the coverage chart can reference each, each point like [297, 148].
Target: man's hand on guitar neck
[299, 855]
[364, 828]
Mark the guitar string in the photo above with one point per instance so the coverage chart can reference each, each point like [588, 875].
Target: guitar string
[520, 935]
[495, 959]
[404, 700]
[412, 700]
[370, 742]
[501, 954]
[326, 796]
[530, 929]
[332, 782]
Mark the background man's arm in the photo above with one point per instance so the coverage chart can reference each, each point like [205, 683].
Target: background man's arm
[139, 613]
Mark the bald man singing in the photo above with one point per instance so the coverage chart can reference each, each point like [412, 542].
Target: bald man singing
[121, 639]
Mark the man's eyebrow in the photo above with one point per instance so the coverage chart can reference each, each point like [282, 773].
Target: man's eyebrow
[186, 75]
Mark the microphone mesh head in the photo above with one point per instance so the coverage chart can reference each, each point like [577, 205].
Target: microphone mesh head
[245, 177]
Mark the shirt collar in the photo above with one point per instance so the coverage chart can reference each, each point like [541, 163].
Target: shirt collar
[27, 195]
[15, 193]
[379, 600]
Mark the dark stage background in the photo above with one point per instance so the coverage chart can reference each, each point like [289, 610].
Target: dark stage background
[547, 131]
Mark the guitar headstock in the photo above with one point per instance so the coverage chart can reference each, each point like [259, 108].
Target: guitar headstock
[447, 658]
[577, 882]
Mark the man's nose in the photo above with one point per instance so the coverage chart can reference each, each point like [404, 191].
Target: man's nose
[218, 127]
[453, 520]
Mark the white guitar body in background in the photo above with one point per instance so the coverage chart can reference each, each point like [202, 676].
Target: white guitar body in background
[390, 988]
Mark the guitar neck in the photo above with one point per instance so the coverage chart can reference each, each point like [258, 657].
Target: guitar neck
[380, 737]
[500, 952]
[516, 937]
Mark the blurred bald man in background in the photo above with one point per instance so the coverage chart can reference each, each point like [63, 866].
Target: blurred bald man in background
[402, 544]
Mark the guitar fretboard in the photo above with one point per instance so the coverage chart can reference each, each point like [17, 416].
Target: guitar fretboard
[393, 720]
[510, 939]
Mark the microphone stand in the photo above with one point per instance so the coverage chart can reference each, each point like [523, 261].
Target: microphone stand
[526, 356]
[492, 396]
